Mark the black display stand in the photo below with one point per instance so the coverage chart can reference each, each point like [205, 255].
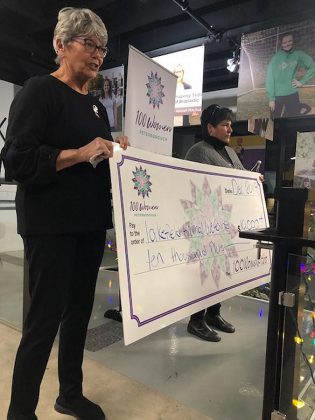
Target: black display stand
[287, 239]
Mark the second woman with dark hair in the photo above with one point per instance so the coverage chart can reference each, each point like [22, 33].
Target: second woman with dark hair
[216, 126]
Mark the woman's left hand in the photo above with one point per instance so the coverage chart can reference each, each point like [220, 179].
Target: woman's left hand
[261, 178]
[296, 83]
[123, 141]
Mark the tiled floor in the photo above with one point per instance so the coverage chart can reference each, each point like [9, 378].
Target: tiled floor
[120, 397]
[222, 380]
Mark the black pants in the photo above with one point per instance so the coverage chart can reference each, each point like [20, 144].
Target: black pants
[287, 106]
[212, 311]
[62, 277]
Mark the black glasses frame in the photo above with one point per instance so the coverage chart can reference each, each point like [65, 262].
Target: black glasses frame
[92, 47]
[216, 107]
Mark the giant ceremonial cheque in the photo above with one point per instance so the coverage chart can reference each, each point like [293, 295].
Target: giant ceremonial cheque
[177, 225]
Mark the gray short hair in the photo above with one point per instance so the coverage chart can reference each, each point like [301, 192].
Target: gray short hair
[75, 22]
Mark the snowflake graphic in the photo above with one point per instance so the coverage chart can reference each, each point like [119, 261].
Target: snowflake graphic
[155, 90]
[206, 209]
[142, 181]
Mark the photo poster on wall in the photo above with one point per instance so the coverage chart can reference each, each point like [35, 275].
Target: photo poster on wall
[108, 87]
[304, 169]
[249, 150]
[187, 65]
[277, 72]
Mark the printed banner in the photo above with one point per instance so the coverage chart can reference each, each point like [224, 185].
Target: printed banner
[187, 65]
[150, 102]
[177, 226]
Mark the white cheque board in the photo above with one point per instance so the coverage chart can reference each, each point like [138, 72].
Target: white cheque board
[177, 237]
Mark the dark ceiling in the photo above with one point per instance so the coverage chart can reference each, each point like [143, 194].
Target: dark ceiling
[26, 30]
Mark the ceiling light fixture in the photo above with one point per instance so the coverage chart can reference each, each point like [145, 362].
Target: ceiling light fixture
[233, 64]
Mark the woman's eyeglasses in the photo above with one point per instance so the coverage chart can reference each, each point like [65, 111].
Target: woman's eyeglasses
[215, 108]
[91, 47]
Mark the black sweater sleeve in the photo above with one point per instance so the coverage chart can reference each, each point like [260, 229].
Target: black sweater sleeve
[28, 159]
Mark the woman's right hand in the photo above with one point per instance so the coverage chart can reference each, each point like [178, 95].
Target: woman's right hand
[97, 147]
[272, 105]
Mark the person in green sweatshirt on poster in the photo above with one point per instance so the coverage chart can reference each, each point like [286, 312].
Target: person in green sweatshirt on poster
[281, 82]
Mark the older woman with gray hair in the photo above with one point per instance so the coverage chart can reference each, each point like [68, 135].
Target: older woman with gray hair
[58, 146]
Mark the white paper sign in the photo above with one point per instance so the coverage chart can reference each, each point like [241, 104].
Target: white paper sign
[150, 102]
[177, 236]
[187, 65]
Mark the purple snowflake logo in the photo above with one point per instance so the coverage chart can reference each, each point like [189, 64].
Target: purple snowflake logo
[155, 90]
[142, 181]
[206, 209]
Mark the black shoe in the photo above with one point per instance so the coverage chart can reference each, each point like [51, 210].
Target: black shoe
[80, 407]
[201, 330]
[218, 322]
[12, 416]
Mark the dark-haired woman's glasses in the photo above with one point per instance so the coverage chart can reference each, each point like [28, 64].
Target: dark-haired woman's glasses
[215, 108]
[91, 47]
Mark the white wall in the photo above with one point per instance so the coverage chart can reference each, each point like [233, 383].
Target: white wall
[9, 239]
[7, 95]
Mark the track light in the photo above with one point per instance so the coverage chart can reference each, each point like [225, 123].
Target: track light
[233, 64]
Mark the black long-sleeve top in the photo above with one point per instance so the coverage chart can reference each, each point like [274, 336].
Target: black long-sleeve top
[47, 116]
